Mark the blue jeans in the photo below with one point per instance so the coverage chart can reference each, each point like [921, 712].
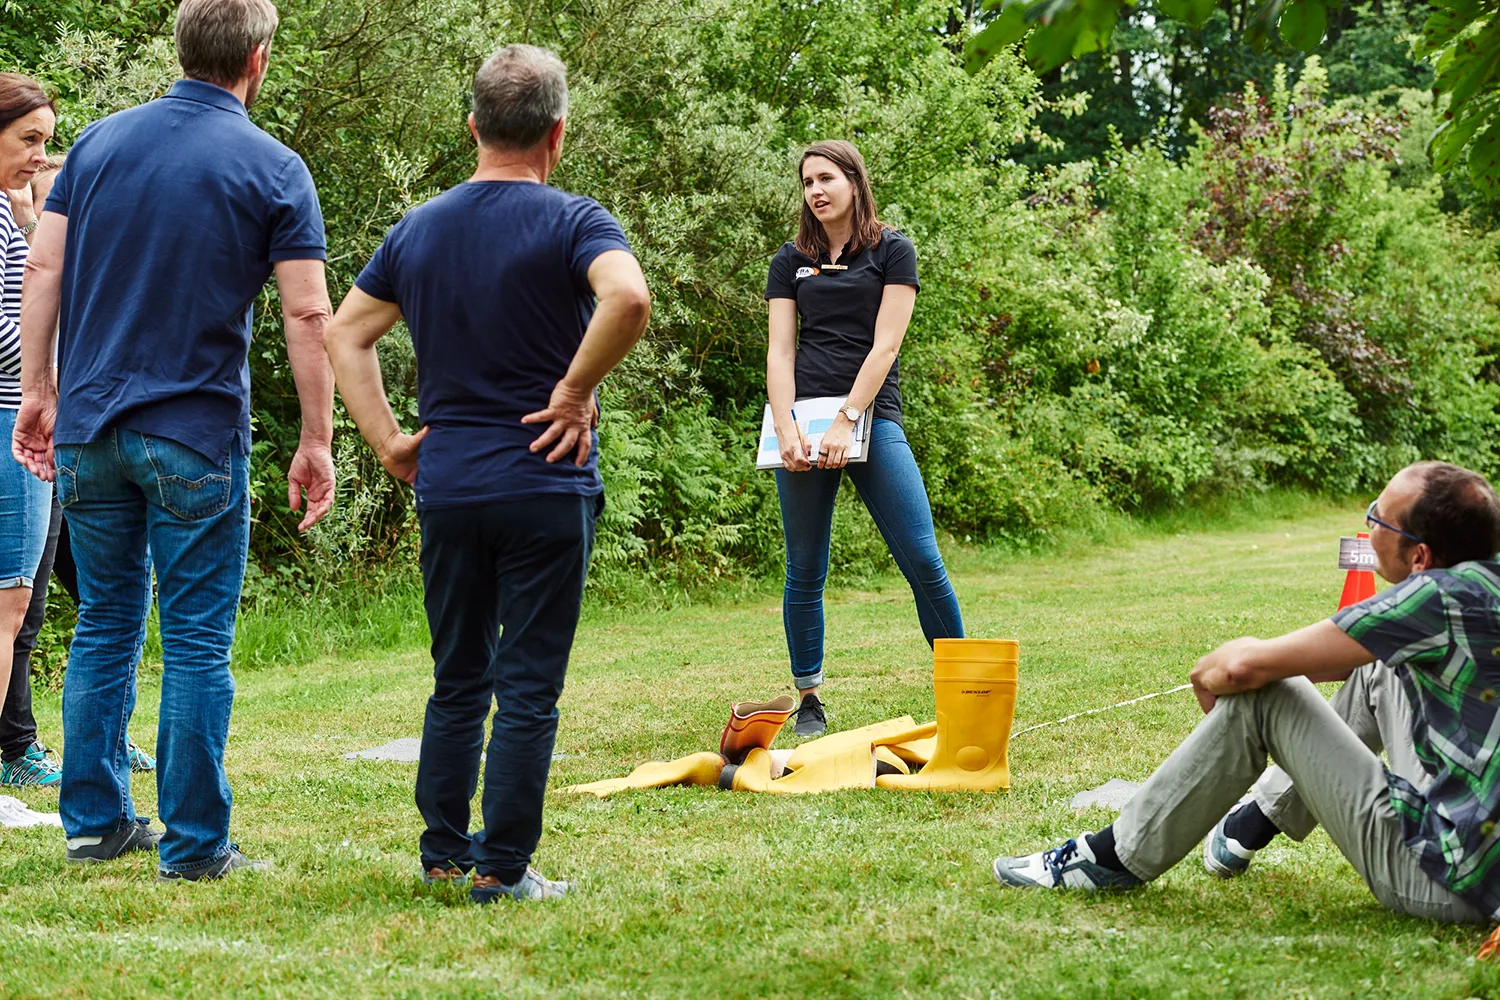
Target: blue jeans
[120, 493]
[891, 487]
[25, 508]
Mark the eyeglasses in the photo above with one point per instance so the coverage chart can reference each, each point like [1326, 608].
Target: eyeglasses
[1372, 521]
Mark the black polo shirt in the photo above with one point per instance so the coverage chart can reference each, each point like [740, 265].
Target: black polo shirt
[836, 307]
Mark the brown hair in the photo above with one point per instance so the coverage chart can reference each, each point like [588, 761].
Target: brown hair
[811, 237]
[54, 162]
[19, 97]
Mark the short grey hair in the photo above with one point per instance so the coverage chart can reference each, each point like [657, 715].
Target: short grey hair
[215, 37]
[519, 94]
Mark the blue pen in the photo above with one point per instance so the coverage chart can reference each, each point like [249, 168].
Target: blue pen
[794, 420]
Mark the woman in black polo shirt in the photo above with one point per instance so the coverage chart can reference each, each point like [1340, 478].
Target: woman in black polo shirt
[840, 297]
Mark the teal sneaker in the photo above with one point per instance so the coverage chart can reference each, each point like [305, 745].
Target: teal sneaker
[37, 769]
[140, 760]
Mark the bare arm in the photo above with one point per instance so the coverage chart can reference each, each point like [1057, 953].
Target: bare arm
[781, 383]
[896, 305]
[41, 301]
[619, 320]
[306, 311]
[362, 320]
[1247, 664]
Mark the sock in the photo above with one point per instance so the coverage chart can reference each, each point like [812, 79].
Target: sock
[1249, 826]
[1103, 846]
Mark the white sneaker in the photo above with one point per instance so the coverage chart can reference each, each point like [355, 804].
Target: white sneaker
[1070, 866]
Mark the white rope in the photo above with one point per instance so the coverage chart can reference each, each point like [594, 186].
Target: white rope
[1096, 711]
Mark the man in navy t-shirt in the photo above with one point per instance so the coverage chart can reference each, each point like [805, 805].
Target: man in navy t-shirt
[159, 234]
[497, 281]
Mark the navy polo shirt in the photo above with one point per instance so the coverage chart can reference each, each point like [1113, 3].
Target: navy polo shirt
[836, 309]
[176, 210]
[492, 280]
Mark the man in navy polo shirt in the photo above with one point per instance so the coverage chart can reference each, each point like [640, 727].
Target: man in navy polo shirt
[497, 280]
[159, 234]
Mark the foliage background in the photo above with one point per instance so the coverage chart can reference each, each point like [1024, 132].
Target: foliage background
[1165, 272]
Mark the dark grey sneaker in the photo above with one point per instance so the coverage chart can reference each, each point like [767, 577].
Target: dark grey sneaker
[136, 836]
[230, 862]
[811, 719]
[1223, 856]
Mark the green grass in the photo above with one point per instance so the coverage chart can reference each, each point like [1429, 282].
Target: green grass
[693, 892]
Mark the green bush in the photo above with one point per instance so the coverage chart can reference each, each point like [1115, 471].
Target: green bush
[1288, 304]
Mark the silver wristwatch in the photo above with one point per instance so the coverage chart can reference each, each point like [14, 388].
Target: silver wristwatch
[851, 413]
[30, 227]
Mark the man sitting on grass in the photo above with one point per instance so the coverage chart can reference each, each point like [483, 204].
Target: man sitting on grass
[1424, 833]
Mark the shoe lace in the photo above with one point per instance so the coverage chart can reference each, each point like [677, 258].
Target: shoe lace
[811, 707]
[1058, 858]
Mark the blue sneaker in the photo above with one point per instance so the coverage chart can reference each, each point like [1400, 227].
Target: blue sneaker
[529, 887]
[140, 760]
[1070, 866]
[36, 769]
[1223, 856]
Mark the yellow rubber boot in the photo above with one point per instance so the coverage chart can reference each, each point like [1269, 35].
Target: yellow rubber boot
[974, 681]
[918, 752]
[754, 724]
[864, 736]
[893, 763]
[694, 769]
[851, 767]
[754, 775]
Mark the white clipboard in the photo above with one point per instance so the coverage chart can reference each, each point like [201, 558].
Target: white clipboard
[814, 416]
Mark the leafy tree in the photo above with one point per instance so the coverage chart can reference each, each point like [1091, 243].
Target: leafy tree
[1461, 38]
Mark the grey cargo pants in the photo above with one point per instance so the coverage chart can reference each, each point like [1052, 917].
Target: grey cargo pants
[1336, 779]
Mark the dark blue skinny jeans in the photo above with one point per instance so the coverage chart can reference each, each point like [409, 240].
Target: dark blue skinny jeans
[891, 487]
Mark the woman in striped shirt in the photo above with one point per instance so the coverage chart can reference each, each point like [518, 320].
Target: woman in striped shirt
[27, 120]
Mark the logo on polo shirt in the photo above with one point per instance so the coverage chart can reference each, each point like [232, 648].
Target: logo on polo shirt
[806, 272]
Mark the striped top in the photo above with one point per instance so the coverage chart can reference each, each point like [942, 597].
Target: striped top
[13, 250]
[1440, 631]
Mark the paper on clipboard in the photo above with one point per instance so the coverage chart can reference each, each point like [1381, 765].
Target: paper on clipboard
[814, 417]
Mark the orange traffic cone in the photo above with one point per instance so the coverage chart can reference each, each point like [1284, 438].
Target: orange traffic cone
[1359, 584]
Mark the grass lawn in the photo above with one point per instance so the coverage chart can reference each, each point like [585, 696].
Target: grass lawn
[693, 892]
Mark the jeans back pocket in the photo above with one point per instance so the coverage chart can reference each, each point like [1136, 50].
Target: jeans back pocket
[65, 459]
[189, 484]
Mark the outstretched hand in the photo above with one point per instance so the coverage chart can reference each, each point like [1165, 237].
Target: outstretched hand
[31, 443]
[571, 417]
[311, 471]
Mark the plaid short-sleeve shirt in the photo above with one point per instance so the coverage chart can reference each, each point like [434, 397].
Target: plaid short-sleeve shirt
[1440, 631]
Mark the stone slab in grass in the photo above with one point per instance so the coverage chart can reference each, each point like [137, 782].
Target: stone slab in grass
[405, 750]
[1113, 794]
[15, 813]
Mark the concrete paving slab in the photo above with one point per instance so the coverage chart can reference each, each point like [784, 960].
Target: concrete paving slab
[405, 750]
[1113, 794]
